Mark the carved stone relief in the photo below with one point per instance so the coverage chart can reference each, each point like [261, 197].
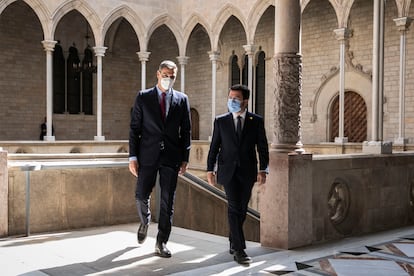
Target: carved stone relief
[287, 106]
[338, 202]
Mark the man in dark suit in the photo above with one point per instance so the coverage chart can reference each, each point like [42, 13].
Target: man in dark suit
[237, 136]
[159, 143]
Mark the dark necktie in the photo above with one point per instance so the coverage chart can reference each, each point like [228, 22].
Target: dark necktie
[239, 127]
[162, 105]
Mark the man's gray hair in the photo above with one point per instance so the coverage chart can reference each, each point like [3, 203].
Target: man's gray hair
[168, 64]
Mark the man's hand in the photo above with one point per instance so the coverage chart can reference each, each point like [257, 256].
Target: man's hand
[211, 178]
[261, 177]
[133, 167]
[183, 168]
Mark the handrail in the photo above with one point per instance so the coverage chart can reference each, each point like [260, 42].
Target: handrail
[217, 192]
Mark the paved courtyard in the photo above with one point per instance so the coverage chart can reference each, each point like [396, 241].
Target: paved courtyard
[114, 250]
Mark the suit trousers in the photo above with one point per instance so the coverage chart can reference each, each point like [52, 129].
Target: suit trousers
[238, 193]
[147, 176]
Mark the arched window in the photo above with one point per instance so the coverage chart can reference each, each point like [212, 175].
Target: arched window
[195, 124]
[355, 118]
[73, 81]
[245, 72]
[77, 96]
[58, 80]
[260, 84]
[87, 82]
[235, 70]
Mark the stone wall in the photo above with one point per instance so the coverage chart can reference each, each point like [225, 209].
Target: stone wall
[71, 198]
[4, 190]
[22, 75]
[359, 194]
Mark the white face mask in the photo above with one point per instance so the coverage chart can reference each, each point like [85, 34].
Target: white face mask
[166, 83]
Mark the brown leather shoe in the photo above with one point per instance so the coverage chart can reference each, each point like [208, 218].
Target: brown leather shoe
[142, 233]
[161, 250]
[241, 257]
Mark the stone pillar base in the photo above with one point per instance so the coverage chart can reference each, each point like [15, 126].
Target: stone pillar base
[377, 147]
[4, 193]
[286, 205]
[341, 140]
[99, 138]
[49, 138]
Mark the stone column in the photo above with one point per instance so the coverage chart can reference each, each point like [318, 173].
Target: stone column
[286, 203]
[341, 35]
[214, 56]
[250, 49]
[376, 145]
[49, 46]
[4, 195]
[403, 23]
[376, 70]
[182, 60]
[99, 53]
[288, 77]
[143, 57]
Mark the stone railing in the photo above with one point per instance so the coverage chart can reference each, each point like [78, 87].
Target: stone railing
[339, 195]
[75, 191]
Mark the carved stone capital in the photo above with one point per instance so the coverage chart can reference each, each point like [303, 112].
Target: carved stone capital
[403, 23]
[343, 33]
[250, 49]
[143, 56]
[214, 55]
[49, 45]
[183, 60]
[100, 51]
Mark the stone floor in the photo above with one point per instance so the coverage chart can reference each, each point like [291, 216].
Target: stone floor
[114, 251]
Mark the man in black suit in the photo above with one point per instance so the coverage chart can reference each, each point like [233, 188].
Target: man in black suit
[159, 143]
[237, 136]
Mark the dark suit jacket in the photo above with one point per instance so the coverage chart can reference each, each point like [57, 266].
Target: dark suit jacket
[229, 153]
[148, 131]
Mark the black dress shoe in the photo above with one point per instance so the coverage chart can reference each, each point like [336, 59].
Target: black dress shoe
[161, 250]
[241, 257]
[142, 233]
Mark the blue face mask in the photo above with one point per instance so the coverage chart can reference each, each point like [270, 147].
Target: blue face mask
[234, 105]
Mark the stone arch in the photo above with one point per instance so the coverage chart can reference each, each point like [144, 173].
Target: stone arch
[195, 20]
[354, 81]
[305, 3]
[39, 9]
[83, 8]
[171, 24]
[226, 12]
[129, 15]
[403, 7]
[5, 4]
[254, 17]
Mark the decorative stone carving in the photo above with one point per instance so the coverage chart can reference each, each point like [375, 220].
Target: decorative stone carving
[338, 202]
[199, 154]
[287, 106]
